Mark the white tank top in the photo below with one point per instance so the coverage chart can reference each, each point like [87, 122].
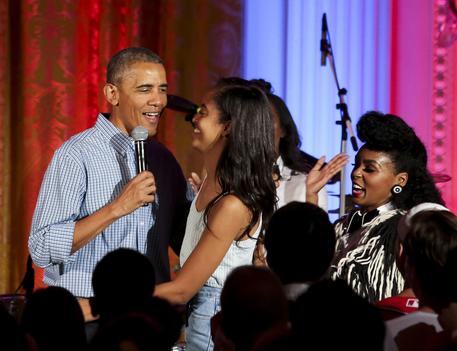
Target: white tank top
[239, 254]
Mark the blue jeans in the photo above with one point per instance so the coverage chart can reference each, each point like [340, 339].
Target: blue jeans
[202, 307]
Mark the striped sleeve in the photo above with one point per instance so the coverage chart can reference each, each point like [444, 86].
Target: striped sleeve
[59, 202]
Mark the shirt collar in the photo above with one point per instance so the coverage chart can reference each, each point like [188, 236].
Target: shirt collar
[117, 139]
[381, 209]
[284, 172]
[386, 207]
[359, 219]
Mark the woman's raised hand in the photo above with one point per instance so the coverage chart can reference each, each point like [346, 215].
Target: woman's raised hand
[320, 175]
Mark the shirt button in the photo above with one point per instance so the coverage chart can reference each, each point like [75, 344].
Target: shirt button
[141, 223]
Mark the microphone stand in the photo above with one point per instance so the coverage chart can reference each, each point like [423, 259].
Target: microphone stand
[345, 122]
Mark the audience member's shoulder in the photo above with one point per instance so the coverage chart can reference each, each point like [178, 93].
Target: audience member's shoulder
[396, 325]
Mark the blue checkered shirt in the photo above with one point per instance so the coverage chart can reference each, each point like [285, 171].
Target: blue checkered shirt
[86, 173]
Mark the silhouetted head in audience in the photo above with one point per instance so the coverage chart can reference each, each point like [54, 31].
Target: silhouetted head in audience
[449, 290]
[53, 317]
[12, 336]
[300, 243]
[404, 226]
[276, 339]
[428, 243]
[123, 281]
[167, 316]
[330, 316]
[252, 303]
[448, 299]
[132, 331]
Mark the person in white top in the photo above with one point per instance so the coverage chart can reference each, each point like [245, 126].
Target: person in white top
[293, 164]
[233, 130]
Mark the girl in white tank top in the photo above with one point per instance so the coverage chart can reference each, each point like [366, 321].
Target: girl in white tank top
[234, 132]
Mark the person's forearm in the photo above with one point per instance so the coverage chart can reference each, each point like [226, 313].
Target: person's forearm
[138, 191]
[89, 227]
[312, 198]
[171, 292]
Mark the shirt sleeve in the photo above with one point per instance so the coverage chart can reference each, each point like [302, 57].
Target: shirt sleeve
[322, 199]
[58, 207]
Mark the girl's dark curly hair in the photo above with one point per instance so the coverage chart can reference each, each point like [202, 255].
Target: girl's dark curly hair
[391, 135]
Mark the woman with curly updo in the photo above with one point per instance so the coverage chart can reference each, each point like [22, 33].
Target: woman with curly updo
[389, 177]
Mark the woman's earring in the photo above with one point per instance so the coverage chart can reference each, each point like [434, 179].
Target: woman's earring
[396, 189]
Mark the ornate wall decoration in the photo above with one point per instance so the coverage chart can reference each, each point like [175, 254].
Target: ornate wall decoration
[444, 108]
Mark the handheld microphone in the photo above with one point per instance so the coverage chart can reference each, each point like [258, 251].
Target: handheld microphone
[140, 134]
[324, 43]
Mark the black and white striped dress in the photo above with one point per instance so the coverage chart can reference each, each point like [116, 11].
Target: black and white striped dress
[365, 257]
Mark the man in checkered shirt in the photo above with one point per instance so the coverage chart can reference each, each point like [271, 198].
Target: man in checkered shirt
[92, 201]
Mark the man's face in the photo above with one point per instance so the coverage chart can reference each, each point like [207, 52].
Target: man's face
[140, 97]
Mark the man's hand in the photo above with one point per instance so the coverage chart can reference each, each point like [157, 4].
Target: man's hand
[195, 182]
[139, 191]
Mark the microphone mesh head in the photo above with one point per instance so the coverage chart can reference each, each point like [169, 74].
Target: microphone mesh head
[139, 133]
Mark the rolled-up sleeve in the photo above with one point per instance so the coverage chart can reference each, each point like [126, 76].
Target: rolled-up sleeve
[58, 207]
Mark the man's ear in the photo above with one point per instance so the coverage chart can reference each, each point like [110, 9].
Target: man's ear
[111, 94]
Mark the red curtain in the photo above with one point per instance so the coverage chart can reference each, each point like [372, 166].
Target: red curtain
[53, 56]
